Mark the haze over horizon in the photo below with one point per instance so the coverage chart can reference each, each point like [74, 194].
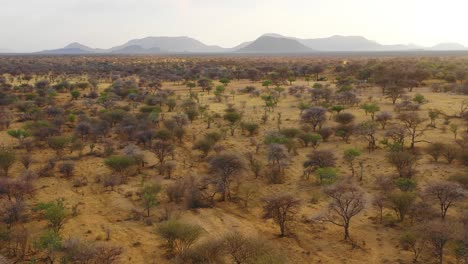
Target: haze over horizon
[47, 24]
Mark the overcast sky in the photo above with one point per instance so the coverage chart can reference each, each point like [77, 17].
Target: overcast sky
[32, 25]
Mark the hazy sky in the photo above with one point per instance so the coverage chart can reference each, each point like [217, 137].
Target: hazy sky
[31, 25]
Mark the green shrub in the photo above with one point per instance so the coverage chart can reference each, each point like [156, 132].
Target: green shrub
[405, 184]
[179, 236]
[327, 175]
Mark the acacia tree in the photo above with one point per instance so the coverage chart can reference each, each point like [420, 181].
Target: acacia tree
[277, 154]
[368, 129]
[162, 149]
[401, 203]
[403, 161]
[394, 93]
[19, 134]
[7, 159]
[282, 209]
[413, 240]
[226, 166]
[120, 165]
[315, 116]
[445, 193]
[233, 118]
[438, 234]
[54, 212]
[350, 156]
[148, 196]
[347, 201]
[383, 118]
[412, 123]
[179, 236]
[370, 108]
[318, 159]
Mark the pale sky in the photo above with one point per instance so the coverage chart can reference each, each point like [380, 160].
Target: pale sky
[32, 25]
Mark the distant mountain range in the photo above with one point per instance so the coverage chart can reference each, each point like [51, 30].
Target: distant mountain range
[270, 43]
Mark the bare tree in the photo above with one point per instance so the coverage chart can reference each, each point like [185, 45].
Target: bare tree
[162, 149]
[347, 201]
[367, 130]
[445, 193]
[282, 209]
[403, 161]
[438, 234]
[277, 154]
[315, 116]
[412, 123]
[383, 118]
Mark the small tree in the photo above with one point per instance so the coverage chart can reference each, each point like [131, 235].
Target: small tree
[162, 149]
[233, 118]
[344, 118]
[148, 196]
[347, 201]
[413, 241]
[54, 212]
[58, 143]
[19, 134]
[282, 209]
[225, 81]
[370, 108]
[51, 243]
[383, 118]
[204, 145]
[67, 169]
[403, 161]
[75, 94]
[251, 127]
[7, 159]
[327, 175]
[277, 154]
[310, 138]
[454, 129]
[438, 234]
[412, 123]
[350, 156]
[367, 130]
[450, 152]
[401, 203]
[435, 150]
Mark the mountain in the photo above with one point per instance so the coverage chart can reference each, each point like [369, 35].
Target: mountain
[65, 51]
[449, 46]
[135, 49]
[341, 43]
[269, 44]
[352, 43]
[73, 48]
[401, 47]
[76, 45]
[172, 44]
